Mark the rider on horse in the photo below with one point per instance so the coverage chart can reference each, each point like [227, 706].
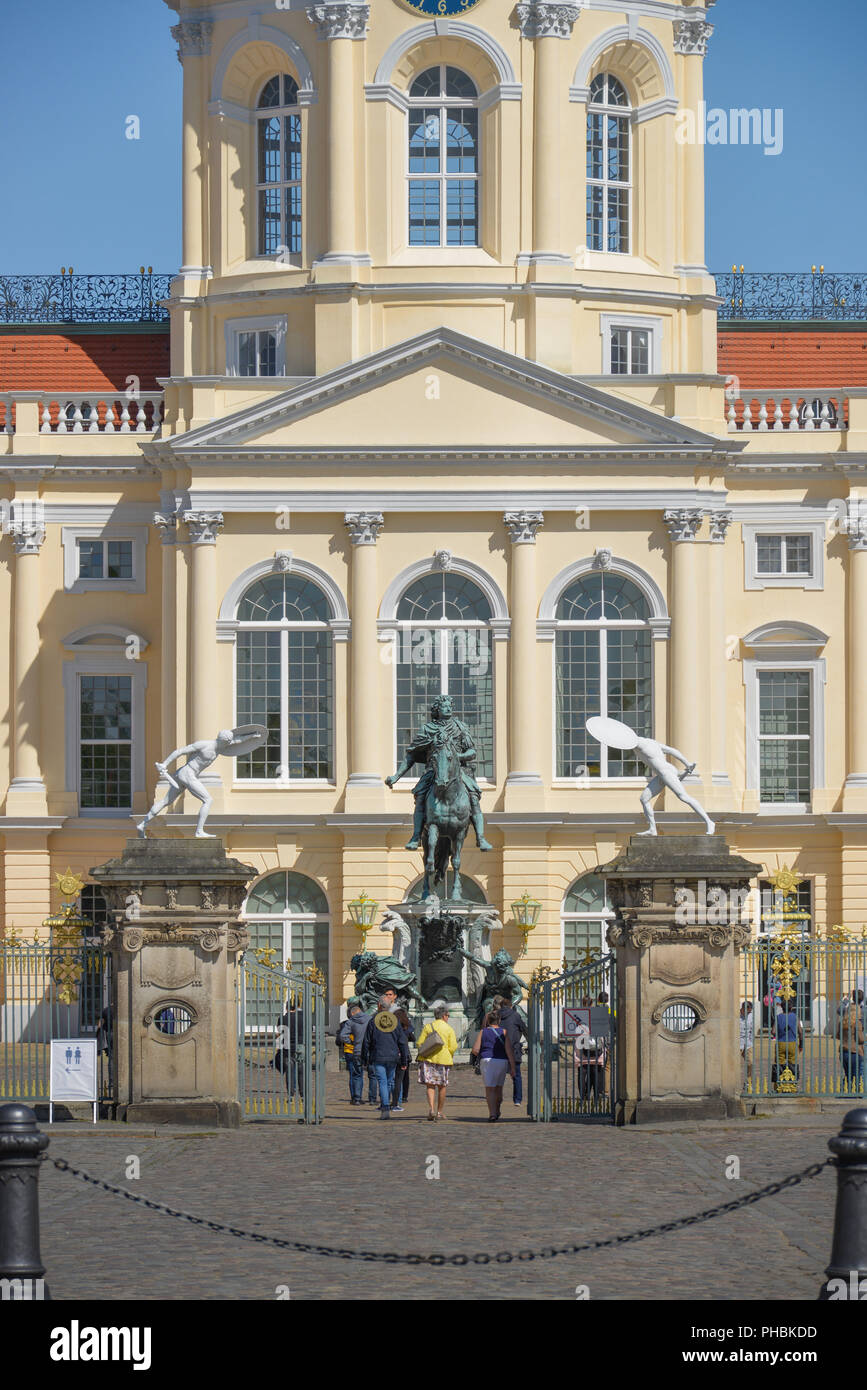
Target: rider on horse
[444, 727]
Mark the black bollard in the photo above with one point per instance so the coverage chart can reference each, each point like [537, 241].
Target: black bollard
[847, 1272]
[21, 1147]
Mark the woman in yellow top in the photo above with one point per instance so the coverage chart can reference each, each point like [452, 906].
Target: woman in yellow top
[433, 1070]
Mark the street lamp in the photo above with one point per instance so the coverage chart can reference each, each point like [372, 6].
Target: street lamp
[525, 911]
[363, 912]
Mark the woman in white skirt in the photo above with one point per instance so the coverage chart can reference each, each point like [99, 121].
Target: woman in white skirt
[496, 1059]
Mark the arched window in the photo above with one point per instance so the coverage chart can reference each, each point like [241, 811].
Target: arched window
[586, 914]
[444, 648]
[287, 917]
[278, 167]
[443, 159]
[609, 173]
[603, 656]
[284, 678]
[472, 893]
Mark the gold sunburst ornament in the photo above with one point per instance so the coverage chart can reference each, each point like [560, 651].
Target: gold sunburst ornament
[69, 884]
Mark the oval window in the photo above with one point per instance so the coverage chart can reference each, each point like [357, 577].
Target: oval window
[679, 1018]
[174, 1018]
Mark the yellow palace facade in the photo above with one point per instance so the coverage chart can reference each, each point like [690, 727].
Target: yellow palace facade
[442, 414]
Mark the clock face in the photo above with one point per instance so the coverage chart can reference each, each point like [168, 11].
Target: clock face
[438, 8]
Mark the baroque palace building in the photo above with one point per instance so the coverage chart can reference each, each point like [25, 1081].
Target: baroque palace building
[446, 408]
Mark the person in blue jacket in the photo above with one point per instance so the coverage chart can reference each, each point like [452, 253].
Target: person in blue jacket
[383, 1047]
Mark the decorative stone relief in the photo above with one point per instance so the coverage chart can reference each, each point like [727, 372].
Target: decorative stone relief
[539, 19]
[522, 526]
[167, 524]
[682, 522]
[720, 522]
[691, 36]
[204, 527]
[364, 527]
[193, 38]
[339, 21]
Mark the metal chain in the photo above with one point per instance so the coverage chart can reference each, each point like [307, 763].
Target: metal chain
[502, 1257]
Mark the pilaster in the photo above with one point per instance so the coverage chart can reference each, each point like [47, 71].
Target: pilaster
[523, 782]
[206, 718]
[688, 688]
[26, 795]
[855, 529]
[365, 788]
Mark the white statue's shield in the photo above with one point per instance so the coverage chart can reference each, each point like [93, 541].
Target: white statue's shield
[245, 738]
[611, 732]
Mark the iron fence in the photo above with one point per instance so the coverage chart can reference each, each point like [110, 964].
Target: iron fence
[803, 1034]
[572, 1043]
[51, 992]
[784, 296]
[281, 1041]
[70, 298]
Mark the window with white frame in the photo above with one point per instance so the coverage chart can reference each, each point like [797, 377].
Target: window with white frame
[609, 173]
[603, 665]
[630, 351]
[99, 558]
[444, 648]
[278, 169]
[586, 914]
[443, 165]
[785, 736]
[256, 347]
[105, 742]
[284, 679]
[784, 554]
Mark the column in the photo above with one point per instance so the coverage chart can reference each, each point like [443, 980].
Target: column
[718, 654]
[688, 673]
[204, 527]
[690, 41]
[167, 524]
[855, 527]
[27, 788]
[523, 665]
[365, 711]
[547, 24]
[194, 44]
[341, 25]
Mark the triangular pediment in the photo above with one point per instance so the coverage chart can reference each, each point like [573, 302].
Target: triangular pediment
[441, 390]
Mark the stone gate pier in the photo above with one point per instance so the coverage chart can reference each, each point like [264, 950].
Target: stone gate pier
[681, 919]
[175, 941]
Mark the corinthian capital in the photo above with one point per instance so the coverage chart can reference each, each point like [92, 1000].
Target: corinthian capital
[27, 537]
[167, 525]
[339, 21]
[364, 527]
[541, 20]
[193, 38]
[204, 527]
[691, 36]
[522, 526]
[720, 521]
[682, 522]
[854, 525]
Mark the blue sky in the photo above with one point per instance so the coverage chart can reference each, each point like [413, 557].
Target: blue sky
[80, 193]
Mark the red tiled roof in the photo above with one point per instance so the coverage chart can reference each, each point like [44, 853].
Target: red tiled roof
[90, 362]
[782, 356]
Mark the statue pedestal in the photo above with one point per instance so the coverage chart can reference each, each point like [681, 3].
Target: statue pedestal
[175, 943]
[680, 904]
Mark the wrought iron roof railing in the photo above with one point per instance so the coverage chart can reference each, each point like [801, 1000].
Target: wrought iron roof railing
[792, 296]
[67, 298]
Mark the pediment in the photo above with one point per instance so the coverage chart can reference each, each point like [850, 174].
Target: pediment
[441, 390]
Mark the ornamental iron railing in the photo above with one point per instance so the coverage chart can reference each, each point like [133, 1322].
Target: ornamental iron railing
[67, 298]
[572, 1040]
[792, 296]
[281, 1041]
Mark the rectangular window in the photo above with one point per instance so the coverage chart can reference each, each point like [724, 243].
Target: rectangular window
[609, 673]
[284, 681]
[257, 353]
[582, 940]
[105, 746]
[784, 554]
[630, 351]
[785, 744]
[105, 559]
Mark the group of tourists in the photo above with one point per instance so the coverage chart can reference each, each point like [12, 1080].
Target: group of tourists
[377, 1045]
[850, 1029]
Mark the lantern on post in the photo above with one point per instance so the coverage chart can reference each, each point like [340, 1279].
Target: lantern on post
[525, 911]
[363, 911]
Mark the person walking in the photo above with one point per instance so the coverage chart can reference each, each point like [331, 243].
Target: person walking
[350, 1036]
[401, 1074]
[748, 1032]
[384, 1046]
[289, 1057]
[434, 1065]
[516, 1030]
[494, 1051]
[850, 1031]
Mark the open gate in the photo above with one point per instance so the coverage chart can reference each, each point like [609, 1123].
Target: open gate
[572, 1043]
[281, 1043]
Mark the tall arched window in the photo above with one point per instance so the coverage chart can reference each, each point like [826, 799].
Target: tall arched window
[284, 678]
[609, 173]
[586, 914]
[444, 648]
[603, 656]
[443, 159]
[278, 167]
[287, 917]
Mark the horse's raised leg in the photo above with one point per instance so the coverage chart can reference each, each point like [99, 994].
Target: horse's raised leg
[457, 846]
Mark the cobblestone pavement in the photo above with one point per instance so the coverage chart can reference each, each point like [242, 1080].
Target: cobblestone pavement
[357, 1181]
